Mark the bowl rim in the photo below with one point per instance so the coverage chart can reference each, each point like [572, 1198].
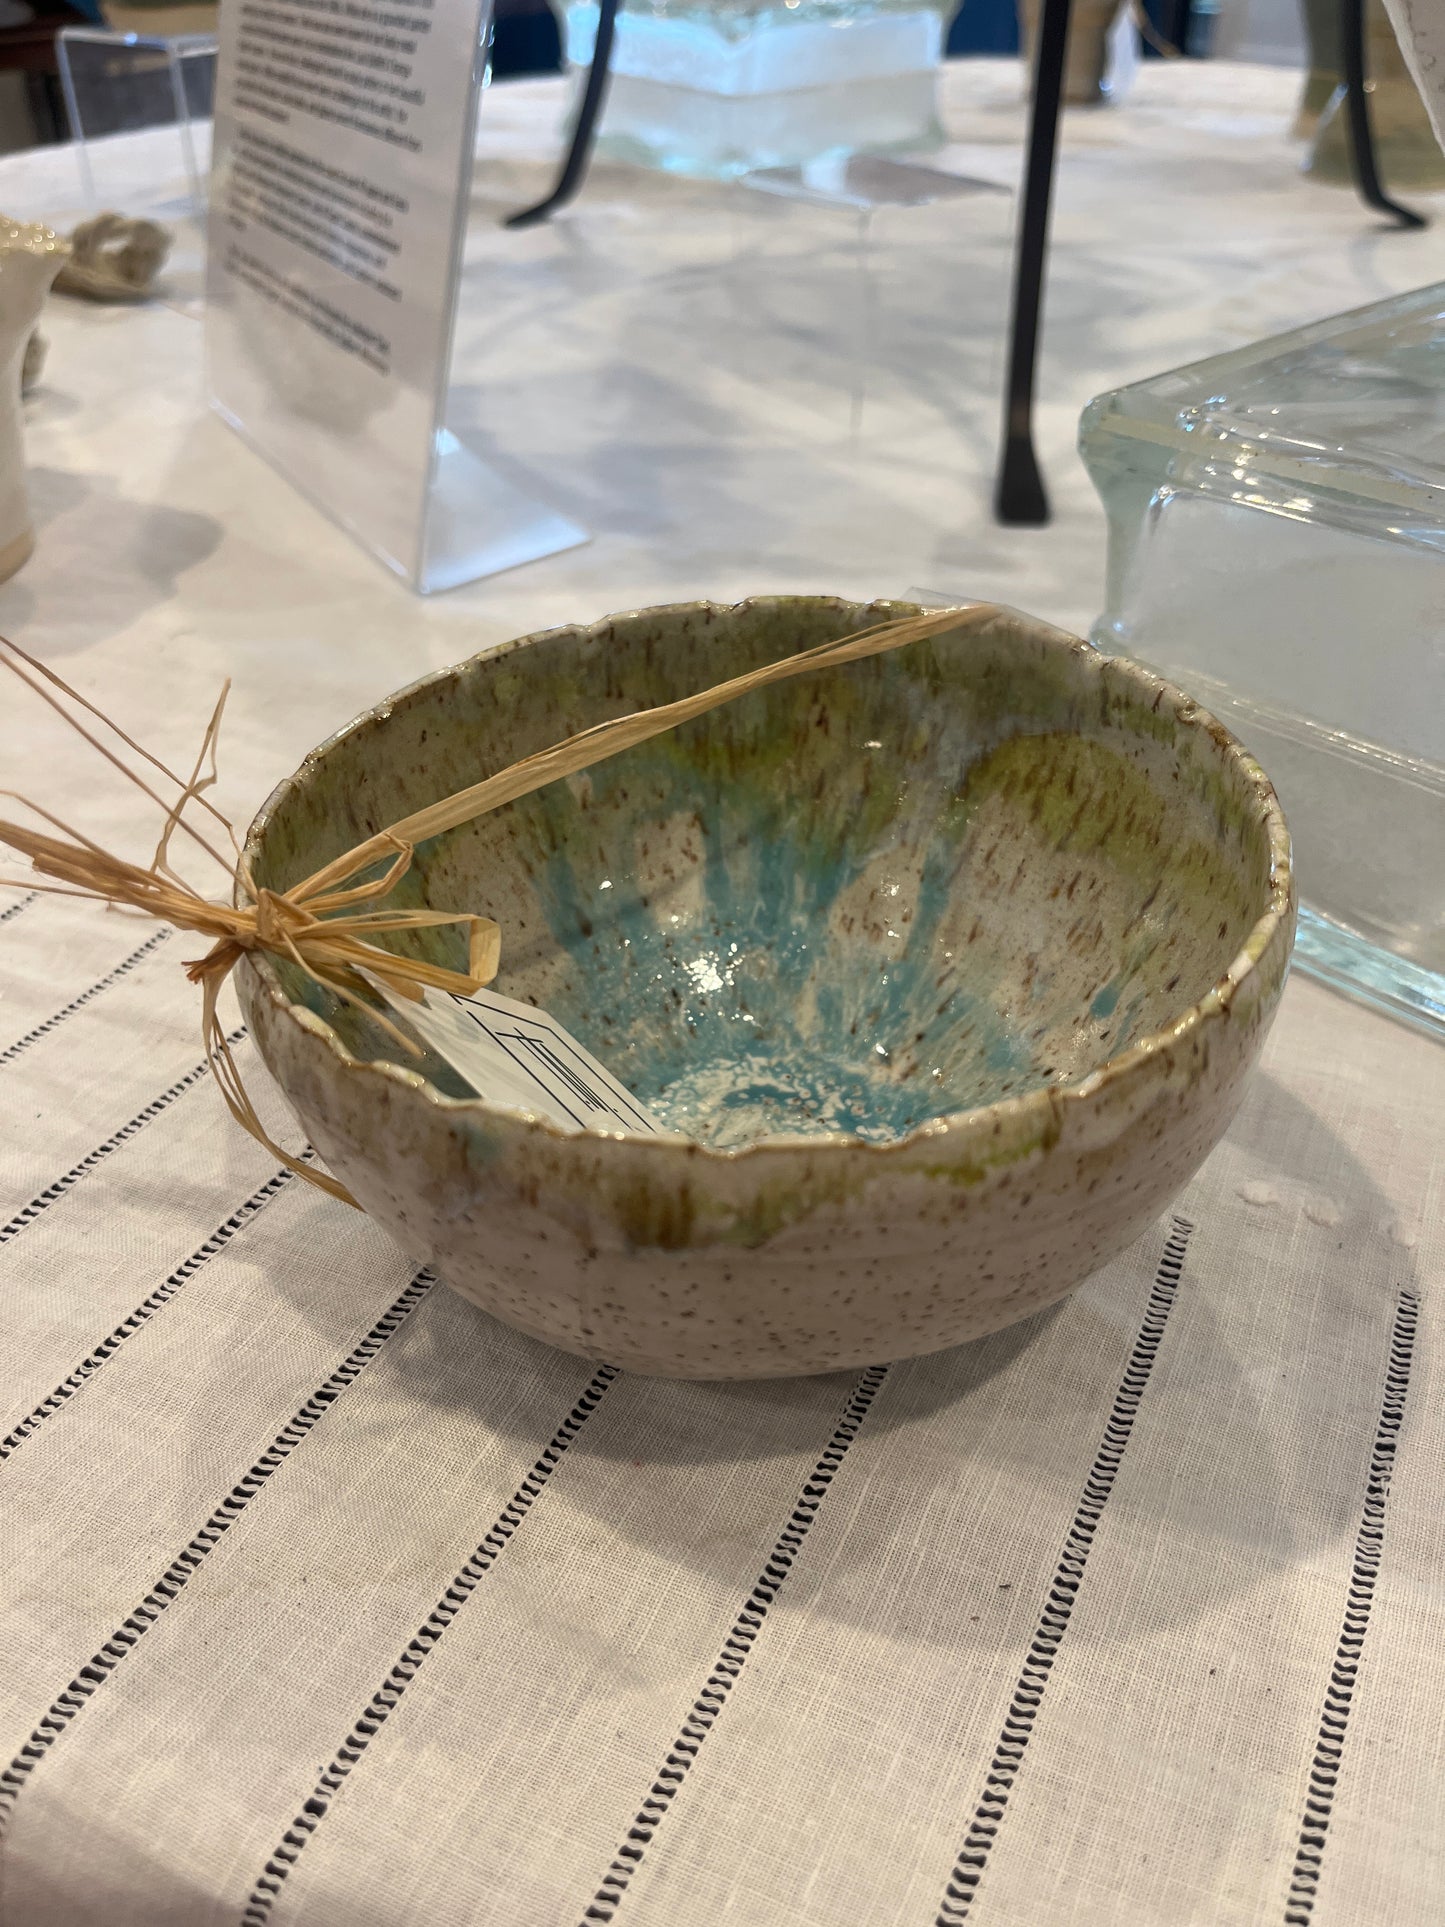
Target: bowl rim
[1049, 1103]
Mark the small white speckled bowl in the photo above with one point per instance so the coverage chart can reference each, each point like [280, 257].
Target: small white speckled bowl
[953, 962]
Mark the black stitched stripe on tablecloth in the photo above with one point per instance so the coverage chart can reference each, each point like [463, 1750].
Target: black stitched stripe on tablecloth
[1018, 1727]
[1340, 1693]
[385, 1699]
[736, 1647]
[14, 910]
[12, 1051]
[148, 1307]
[188, 1562]
[58, 1187]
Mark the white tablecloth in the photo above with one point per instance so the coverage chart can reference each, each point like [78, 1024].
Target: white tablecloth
[324, 1599]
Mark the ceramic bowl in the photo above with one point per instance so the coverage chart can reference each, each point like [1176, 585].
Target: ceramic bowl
[950, 965]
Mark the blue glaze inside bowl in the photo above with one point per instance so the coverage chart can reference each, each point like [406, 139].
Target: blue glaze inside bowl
[850, 904]
[725, 1003]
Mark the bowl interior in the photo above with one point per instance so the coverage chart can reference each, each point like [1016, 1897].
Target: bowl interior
[853, 903]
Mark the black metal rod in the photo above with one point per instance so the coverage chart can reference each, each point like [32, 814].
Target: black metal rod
[574, 168]
[1019, 498]
[1357, 105]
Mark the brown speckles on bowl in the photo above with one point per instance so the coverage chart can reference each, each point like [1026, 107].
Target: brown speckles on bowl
[955, 961]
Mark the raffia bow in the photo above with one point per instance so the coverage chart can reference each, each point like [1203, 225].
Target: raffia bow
[329, 925]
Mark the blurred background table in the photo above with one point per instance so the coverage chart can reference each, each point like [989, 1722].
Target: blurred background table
[680, 367]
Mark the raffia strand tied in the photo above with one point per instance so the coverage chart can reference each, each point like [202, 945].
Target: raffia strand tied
[329, 925]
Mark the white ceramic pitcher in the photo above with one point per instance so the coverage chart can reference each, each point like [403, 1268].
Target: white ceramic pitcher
[30, 258]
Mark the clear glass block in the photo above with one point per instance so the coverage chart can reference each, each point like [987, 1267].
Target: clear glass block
[1277, 546]
[718, 88]
[118, 83]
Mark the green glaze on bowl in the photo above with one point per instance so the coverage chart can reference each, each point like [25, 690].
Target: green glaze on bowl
[947, 967]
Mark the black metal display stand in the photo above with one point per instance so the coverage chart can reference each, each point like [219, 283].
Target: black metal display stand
[1357, 103]
[1020, 499]
[574, 168]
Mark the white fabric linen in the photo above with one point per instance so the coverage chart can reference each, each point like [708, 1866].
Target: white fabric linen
[325, 1599]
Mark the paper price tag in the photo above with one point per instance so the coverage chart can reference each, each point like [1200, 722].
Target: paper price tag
[516, 1055]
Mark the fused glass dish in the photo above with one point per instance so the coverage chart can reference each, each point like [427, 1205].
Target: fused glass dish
[1277, 546]
[718, 88]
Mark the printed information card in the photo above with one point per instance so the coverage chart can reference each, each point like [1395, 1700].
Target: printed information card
[341, 173]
